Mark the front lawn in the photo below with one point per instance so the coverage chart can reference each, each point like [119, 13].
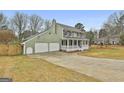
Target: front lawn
[23, 68]
[113, 52]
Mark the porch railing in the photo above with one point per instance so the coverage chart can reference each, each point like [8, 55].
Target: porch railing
[73, 48]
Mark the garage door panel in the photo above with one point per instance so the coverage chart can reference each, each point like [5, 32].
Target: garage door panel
[53, 46]
[41, 47]
[29, 50]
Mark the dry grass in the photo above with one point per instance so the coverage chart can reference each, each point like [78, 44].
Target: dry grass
[113, 52]
[14, 49]
[23, 68]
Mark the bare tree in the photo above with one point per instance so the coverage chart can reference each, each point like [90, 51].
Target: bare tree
[117, 20]
[90, 35]
[47, 24]
[19, 24]
[3, 20]
[36, 23]
[114, 24]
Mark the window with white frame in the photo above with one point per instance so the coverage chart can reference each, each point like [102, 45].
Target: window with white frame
[64, 42]
[75, 42]
[86, 42]
[70, 42]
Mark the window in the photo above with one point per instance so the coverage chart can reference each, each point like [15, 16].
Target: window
[79, 43]
[75, 42]
[64, 42]
[64, 32]
[75, 34]
[83, 42]
[69, 33]
[70, 42]
[86, 42]
[72, 34]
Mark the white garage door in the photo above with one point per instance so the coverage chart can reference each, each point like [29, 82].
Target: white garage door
[41, 47]
[53, 46]
[29, 50]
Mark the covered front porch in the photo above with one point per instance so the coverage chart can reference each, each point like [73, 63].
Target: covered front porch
[74, 45]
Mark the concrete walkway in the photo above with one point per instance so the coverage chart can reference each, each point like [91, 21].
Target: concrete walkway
[99, 68]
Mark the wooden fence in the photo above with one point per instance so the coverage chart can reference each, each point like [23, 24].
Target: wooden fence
[10, 49]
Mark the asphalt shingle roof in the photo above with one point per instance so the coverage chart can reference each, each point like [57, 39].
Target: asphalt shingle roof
[66, 27]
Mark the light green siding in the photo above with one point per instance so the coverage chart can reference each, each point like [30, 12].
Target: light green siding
[53, 35]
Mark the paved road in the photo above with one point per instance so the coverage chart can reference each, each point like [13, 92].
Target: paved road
[99, 68]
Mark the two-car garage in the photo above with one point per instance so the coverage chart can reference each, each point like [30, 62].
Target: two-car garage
[46, 47]
[43, 47]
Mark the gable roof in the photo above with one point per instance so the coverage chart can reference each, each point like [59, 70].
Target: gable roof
[31, 37]
[67, 27]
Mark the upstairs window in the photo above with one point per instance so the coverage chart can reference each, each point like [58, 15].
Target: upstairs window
[65, 33]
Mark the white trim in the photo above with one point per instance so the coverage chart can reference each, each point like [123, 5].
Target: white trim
[24, 49]
[34, 37]
[75, 39]
[38, 35]
[29, 50]
[62, 32]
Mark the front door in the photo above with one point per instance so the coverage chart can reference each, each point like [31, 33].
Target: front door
[79, 43]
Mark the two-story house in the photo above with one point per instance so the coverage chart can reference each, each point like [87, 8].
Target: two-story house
[58, 37]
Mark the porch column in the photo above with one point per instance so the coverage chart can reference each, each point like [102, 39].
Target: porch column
[82, 42]
[77, 43]
[24, 49]
[87, 42]
[72, 44]
[67, 43]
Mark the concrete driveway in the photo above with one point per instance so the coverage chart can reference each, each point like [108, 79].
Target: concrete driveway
[99, 68]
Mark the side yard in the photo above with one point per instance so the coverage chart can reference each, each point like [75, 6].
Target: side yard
[112, 52]
[23, 68]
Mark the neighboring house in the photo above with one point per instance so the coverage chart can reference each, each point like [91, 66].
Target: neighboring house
[114, 40]
[57, 37]
[102, 40]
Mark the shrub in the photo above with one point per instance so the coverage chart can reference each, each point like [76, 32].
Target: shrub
[3, 49]
[7, 36]
[10, 49]
[122, 39]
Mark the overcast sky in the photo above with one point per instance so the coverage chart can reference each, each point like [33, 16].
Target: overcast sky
[90, 18]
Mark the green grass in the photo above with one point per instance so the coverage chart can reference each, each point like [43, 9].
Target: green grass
[24, 69]
[115, 52]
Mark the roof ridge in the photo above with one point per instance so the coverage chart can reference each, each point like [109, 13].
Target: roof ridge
[67, 25]
[34, 35]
